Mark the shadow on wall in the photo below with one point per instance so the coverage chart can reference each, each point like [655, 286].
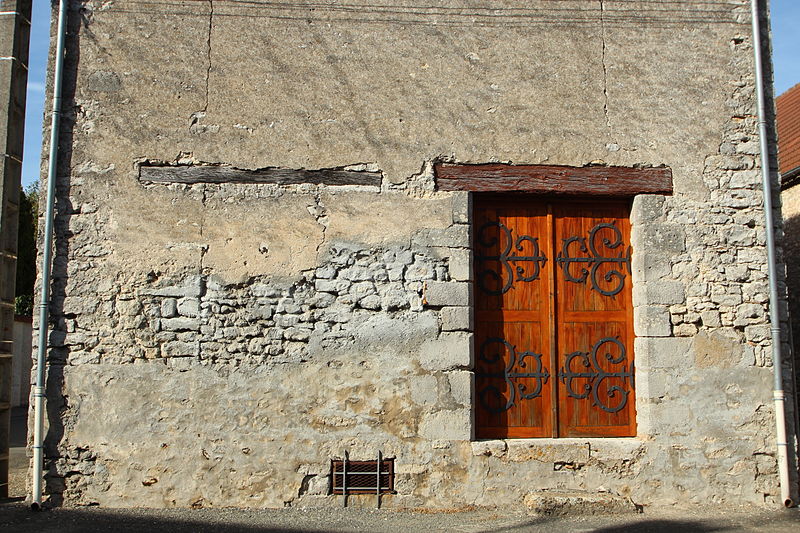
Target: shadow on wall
[57, 354]
[791, 230]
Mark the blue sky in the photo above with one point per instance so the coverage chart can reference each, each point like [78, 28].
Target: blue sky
[786, 56]
[37, 66]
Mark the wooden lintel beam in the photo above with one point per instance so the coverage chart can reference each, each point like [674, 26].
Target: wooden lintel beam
[554, 179]
[190, 174]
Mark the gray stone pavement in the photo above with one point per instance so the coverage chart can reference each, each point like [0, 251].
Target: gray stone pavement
[18, 460]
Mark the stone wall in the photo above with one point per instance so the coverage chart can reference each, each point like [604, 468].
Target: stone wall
[219, 344]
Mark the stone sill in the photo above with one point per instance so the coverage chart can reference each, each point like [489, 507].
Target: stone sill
[566, 450]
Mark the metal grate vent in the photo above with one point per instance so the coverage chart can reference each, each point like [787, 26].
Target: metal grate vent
[362, 477]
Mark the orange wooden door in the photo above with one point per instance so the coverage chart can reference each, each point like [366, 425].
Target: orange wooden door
[513, 338]
[553, 336]
[594, 320]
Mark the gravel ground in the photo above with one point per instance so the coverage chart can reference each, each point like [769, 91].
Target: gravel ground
[16, 517]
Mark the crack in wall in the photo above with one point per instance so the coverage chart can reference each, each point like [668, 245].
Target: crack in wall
[319, 212]
[208, 48]
[603, 61]
[203, 247]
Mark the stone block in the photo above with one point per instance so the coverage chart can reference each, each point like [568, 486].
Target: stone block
[83, 358]
[336, 286]
[79, 305]
[659, 293]
[462, 207]
[759, 333]
[404, 257]
[180, 349]
[424, 390]
[649, 267]
[456, 319]
[420, 270]
[657, 239]
[264, 311]
[489, 448]
[717, 349]
[451, 350]
[684, 330]
[732, 162]
[372, 302]
[442, 293]
[651, 321]
[726, 298]
[169, 307]
[189, 307]
[647, 208]
[128, 307]
[180, 324]
[549, 451]
[455, 236]
[710, 318]
[651, 385]
[460, 264]
[447, 425]
[747, 314]
[571, 503]
[318, 485]
[662, 352]
[325, 272]
[181, 364]
[740, 236]
[191, 287]
[461, 386]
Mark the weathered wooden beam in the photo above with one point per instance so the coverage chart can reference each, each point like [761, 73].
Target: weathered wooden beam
[554, 179]
[280, 176]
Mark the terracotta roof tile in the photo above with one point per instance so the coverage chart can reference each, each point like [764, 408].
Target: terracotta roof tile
[788, 118]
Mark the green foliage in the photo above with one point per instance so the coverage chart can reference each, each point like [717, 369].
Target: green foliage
[23, 305]
[26, 248]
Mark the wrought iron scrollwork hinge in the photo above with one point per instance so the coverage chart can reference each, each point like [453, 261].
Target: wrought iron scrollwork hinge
[540, 374]
[595, 259]
[506, 258]
[596, 375]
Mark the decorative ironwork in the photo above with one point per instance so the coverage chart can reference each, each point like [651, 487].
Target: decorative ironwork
[541, 375]
[506, 258]
[596, 375]
[596, 258]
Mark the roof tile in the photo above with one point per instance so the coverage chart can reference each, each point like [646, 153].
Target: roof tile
[788, 118]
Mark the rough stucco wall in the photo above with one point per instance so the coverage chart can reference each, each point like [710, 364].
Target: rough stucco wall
[218, 344]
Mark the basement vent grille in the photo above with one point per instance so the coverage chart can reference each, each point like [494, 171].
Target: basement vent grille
[362, 477]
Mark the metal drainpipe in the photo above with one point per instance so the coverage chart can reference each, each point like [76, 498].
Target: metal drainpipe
[47, 260]
[779, 396]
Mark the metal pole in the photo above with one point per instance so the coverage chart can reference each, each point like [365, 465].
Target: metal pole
[47, 260]
[779, 396]
[344, 476]
[378, 484]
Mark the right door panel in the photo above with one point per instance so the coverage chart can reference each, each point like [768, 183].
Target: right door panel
[594, 320]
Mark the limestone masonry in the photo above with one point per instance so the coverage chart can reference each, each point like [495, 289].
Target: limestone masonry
[217, 342]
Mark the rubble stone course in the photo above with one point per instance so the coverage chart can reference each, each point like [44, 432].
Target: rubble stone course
[258, 321]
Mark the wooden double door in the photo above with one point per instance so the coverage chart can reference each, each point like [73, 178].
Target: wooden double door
[553, 318]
